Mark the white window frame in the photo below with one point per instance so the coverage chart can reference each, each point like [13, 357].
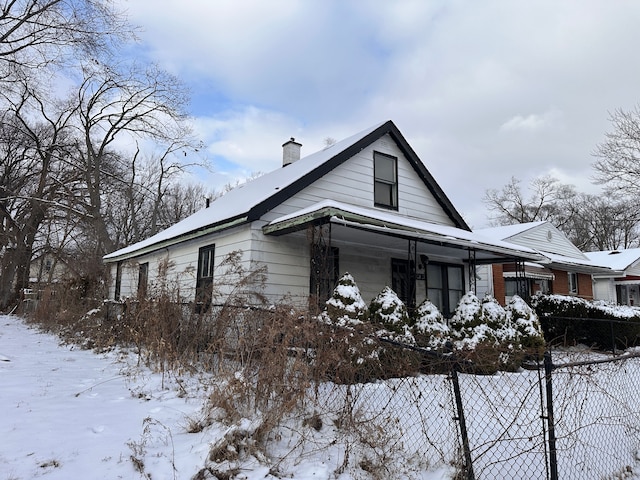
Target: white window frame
[573, 283]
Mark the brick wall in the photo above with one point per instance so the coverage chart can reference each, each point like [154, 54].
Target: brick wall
[498, 283]
[585, 286]
[560, 284]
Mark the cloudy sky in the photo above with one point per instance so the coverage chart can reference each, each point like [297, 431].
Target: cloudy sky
[483, 91]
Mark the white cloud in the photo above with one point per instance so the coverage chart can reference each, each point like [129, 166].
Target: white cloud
[532, 122]
[483, 90]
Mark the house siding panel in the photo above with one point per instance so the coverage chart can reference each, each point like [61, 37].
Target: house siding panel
[183, 262]
[538, 239]
[484, 284]
[352, 183]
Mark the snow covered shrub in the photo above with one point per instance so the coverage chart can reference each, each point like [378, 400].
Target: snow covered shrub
[346, 307]
[525, 321]
[483, 335]
[572, 320]
[430, 329]
[387, 310]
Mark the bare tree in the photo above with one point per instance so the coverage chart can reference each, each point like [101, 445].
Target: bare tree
[618, 156]
[34, 145]
[141, 103]
[591, 222]
[547, 200]
[40, 33]
[608, 222]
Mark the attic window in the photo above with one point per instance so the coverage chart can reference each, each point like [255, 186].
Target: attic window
[385, 186]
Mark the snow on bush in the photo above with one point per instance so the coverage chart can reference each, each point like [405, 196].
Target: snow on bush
[483, 333]
[468, 326]
[430, 329]
[346, 307]
[389, 311]
[578, 321]
[526, 322]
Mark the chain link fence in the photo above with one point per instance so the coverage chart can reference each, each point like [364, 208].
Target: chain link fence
[575, 416]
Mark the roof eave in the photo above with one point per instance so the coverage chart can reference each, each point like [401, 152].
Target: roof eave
[230, 223]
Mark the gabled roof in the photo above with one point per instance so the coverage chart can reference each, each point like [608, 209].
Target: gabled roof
[541, 235]
[619, 260]
[505, 232]
[253, 199]
[578, 261]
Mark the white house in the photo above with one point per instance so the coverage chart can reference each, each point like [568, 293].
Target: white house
[565, 270]
[622, 284]
[366, 205]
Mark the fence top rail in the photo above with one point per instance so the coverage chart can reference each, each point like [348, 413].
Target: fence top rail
[619, 358]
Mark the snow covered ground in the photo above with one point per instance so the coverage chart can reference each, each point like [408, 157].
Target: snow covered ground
[70, 413]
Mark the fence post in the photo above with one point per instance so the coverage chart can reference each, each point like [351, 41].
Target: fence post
[463, 424]
[613, 337]
[553, 459]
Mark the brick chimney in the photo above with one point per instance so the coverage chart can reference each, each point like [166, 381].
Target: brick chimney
[290, 152]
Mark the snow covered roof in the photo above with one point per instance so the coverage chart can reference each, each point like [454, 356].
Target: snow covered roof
[578, 265]
[251, 200]
[619, 260]
[506, 231]
[388, 223]
[578, 262]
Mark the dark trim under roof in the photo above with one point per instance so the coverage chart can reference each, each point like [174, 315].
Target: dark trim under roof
[387, 128]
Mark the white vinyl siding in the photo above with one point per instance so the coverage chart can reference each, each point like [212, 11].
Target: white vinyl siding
[484, 284]
[547, 238]
[183, 264]
[604, 289]
[352, 183]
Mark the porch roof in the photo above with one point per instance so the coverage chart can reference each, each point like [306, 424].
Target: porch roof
[451, 241]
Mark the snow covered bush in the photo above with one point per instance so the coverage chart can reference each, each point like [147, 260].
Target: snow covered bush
[387, 310]
[483, 335]
[430, 329]
[573, 320]
[346, 307]
[525, 321]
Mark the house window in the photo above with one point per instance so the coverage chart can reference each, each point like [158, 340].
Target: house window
[511, 287]
[204, 281]
[573, 282]
[143, 279]
[385, 187]
[118, 286]
[445, 286]
[324, 273]
[403, 280]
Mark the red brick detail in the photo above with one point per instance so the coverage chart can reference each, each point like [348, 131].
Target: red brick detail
[560, 284]
[498, 283]
[585, 286]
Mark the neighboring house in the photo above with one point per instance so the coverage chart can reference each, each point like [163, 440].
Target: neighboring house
[621, 286]
[366, 205]
[46, 269]
[566, 270]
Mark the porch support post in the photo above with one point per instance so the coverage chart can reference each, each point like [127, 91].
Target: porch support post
[471, 264]
[412, 261]
[322, 263]
[522, 287]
